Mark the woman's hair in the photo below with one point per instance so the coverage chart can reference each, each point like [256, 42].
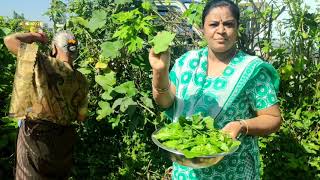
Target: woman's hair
[211, 4]
[65, 40]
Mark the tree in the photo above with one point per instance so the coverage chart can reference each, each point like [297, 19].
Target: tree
[57, 13]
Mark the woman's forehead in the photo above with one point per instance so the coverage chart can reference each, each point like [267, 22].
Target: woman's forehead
[220, 13]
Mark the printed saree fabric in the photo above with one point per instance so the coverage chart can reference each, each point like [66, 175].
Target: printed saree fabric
[247, 85]
[44, 151]
[46, 88]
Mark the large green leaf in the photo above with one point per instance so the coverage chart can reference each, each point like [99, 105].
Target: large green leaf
[126, 103]
[104, 111]
[162, 41]
[79, 20]
[107, 80]
[117, 103]
[127, 88]
[107, 94]
[125, 17]
[111, 49]
[147, 101]
[135, 44]
[84, 70]
[98, 20]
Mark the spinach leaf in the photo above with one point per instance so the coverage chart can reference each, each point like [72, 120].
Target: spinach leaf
[195, 136]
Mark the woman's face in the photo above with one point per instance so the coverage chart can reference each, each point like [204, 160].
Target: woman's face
[220, 29]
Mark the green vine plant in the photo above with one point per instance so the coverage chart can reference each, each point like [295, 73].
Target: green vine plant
[115, 38]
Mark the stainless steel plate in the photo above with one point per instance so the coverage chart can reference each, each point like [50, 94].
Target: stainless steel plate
[196, 162]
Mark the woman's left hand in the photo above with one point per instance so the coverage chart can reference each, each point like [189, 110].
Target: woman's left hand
[233, 128]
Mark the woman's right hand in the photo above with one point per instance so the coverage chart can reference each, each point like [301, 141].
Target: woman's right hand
[40, 37]
[14, 41]
[159, 62]
[33, 37]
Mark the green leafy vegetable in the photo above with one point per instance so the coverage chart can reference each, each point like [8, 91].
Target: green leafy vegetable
[162, 41]
[195, 137]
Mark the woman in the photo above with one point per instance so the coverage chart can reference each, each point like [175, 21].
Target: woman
[237, 89]
[48, 95]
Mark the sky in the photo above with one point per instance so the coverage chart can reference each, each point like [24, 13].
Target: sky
[34, 9]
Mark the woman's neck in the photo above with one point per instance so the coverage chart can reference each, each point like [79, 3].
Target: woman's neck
[223, 57]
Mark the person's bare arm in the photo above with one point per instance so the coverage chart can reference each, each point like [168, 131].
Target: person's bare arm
[163, 91]
[14, 41]
[267, 121]
[161, 80]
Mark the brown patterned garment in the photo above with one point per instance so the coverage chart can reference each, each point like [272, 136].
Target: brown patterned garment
[53, 91]
[44, 151]
[48, 95]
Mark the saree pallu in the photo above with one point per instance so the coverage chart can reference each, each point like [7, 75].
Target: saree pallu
[247, 85]
[47, 88]
[44, 151]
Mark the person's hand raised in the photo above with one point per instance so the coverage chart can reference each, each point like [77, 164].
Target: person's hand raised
[14, 41]
[159, 62]
[40, 37]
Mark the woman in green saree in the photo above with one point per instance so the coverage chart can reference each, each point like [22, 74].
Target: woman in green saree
[236, 89]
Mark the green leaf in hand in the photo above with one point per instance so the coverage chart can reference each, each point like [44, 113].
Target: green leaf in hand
[162, 41]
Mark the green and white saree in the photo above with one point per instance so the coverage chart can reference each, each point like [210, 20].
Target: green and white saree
[247, 85]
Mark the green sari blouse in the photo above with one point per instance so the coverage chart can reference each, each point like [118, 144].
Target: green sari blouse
[247, 85]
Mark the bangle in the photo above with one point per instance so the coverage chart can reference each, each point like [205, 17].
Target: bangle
[161, 90]
[246, 124]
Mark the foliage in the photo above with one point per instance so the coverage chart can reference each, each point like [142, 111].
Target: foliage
[115, 143]
[8, 126]
[295, 149]
[195, 136]
[114, 59]
[8, 134]
[57, 13]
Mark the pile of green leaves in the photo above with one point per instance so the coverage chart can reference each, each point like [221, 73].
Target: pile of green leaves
[195, 137]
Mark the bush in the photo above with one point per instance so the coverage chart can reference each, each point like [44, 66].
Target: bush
[115, 143]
